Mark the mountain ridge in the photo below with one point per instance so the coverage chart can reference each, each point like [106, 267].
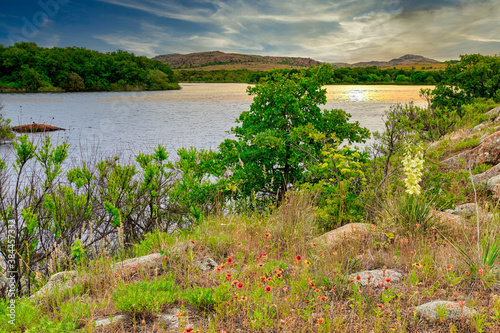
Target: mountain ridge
[212, 60]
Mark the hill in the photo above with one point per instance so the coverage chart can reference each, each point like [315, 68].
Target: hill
[220, 60]
[406, 60]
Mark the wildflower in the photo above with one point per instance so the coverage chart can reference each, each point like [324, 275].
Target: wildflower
[263, 255]
[334, 253]
[263, 278]
[321, 254]
[189, 329]
[269, 279]
[165, 258]
[480, 271]
[374, 226]
[222, 266]
[298, 257]
[312, 284]
[235, 282]
[319, 320]
[333, 288]
[412, 252]
[268, 289]
[358, 278]
[229, 275]
[260, 265]
[388, 279]
[178, 314]
[417, 265]
[243, 298]
[279, 276]
[239, 285]
[313, 245]
[239, 244]
[380, 284]
[307, 262]
[229, 260]
[413, 164]
[380, 306]
[192, 241]
[417, 225]
[461, 304]
[467, 272]
[448, 268]
[268, 235]
[323, 298]
[285, 288]
[316, 291]
[218, 269]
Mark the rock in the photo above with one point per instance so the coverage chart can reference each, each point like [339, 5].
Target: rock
[376, 278]
[454, 310]
[108, 321]
[59, 281]
[494, 111]
[448, 218]
[493, 185]
[485, 176]
[479, 127]
[171, 321]
[35, 128]
[465, 210]
[348, 231]
[206, 264]
[487, 152]
[150, 261]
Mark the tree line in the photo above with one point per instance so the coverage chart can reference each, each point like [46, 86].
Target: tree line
[28, 67]
[347, 75]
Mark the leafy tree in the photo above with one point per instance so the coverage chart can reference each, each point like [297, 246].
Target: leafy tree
[474, 76]
[5, 129]
[276, 138]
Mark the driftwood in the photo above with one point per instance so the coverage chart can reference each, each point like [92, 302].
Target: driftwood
[36, 128]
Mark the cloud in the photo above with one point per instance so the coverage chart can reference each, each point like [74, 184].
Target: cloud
[344, 30]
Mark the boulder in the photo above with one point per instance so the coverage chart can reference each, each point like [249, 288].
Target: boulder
[466, 210]
[376, 278]
[487, 152]
[447, 218]
[150, 261]
[493, 185]
[60, 281]
[109, 321]
[450, 310]
[206, 264]
[494, 111]
[485, 176]
[348, 231]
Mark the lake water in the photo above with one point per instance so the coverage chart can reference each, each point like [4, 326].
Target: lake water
[197, 115]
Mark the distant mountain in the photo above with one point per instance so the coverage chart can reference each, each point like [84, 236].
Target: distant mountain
[221, 60]
[407, 59]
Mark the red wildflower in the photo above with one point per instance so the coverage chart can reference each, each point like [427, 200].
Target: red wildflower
[316, 291]
[189, 329]
[268, 235]
[235, 282]
[448, 268]
[229, 275]
[380, 306]
[192, 241]
[312, 284]
[268, 289]
[278, 275]
[387, 279]
[298, 257]
[269, 279]
[229, 260]
[263, 278]
[467, 273]
[165, 258]
[358, 278]
[239, 285]
[178, 314]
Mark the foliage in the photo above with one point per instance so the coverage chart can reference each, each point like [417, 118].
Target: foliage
[475, 76]
[5, 128]
[276, 137]
[26, 66]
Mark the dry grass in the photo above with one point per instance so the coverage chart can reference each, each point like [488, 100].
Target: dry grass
[263, 250]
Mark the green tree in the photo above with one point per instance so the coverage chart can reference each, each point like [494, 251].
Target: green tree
[278, 137]
[5, 129]
[31, 78]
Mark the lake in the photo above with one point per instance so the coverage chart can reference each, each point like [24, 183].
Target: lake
[124, 123]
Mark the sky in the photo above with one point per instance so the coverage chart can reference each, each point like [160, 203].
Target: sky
[329, 31]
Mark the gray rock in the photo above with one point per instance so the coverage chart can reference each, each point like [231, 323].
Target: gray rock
[108, 321]
[170, 321]
[60, 281]
[479, 127]
[494, 111]
[465, 210]
[376, 278]
[206, 264]
[453, 310]
[150, 261]
[485, 176]
[493, 185]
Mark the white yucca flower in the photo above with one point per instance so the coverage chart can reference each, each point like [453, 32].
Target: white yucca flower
[413, 165]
